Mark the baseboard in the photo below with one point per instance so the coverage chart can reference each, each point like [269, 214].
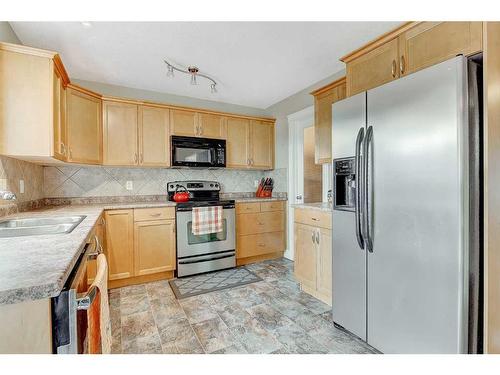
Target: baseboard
[140, 279]
[258, 258]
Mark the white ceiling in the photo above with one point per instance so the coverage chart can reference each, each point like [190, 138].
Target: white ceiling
[256, 64]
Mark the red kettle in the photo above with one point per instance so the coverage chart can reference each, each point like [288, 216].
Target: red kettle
[181, 196]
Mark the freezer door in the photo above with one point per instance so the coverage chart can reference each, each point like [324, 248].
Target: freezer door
[416, 277]
[349, 260]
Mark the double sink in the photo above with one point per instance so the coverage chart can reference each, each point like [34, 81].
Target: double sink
[39, 226]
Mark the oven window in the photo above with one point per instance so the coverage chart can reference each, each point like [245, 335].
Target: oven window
[195, 155]
[204, 238]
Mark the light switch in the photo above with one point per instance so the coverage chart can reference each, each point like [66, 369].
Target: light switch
[21, 186]
[129, 185]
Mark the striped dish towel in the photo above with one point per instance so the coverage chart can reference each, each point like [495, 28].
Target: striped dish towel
[207, 220]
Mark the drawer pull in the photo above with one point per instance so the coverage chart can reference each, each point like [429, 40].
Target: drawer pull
[314, 219]
[262, 245]
[156, 215]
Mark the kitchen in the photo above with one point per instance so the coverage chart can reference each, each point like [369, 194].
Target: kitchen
[141, 222]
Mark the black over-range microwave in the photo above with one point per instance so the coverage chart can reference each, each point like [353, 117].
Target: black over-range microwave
[198, 152]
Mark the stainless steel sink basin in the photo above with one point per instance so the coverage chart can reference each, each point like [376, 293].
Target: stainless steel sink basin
[39, 226]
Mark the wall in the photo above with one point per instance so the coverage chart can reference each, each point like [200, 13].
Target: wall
[77, 181]
[7, 34]
[160, 97]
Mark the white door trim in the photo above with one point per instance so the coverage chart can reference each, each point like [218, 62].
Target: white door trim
[296, 121]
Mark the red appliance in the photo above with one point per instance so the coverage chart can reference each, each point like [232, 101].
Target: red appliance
[181, 194]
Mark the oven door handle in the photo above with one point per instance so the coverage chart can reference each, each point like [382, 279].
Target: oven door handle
[206, 259]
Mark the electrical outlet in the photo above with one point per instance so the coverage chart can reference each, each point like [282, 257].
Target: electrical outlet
[129, 185]
[21, 186]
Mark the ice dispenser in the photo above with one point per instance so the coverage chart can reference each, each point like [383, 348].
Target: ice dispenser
[344, 184]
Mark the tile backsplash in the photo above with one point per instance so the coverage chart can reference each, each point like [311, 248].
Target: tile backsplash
[78, 181]
[12, 171]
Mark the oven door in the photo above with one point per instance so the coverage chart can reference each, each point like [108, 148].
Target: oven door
[189, 245]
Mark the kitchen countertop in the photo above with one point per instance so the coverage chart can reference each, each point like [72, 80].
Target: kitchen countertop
[37, 267]
[321, 206]
[254, 199]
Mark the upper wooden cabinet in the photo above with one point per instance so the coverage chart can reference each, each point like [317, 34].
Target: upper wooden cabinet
[237, 142]
[32, 83]
[432, 42]
[120, 133]
[83, 126]
[210, 126]
[249, 143]
[411, 47]
[323, 100]
[184, 123]
[262, 145]
[194, 124]
[154, 144]
[373, 69]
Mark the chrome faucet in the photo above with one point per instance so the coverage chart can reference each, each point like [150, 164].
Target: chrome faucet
[7, 195]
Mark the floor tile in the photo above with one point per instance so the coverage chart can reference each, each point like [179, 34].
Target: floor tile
[198, 309]
[180, 335]
[213, 334]
[166, 313]
[134, 303]
[254, 338]
[143, 345]
[132, 290]
[137, 325]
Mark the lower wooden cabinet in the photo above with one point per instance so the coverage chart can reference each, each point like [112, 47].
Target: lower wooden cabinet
[260, 231]
[120, 243]
[153, 245]
[140, 243]
[313, 253]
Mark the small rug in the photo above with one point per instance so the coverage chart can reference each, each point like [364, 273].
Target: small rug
[210, 282]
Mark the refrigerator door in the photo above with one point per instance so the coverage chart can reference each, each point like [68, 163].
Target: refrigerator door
[349, 260]
[419, 191]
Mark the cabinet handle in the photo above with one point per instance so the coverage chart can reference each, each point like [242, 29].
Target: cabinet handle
[317, 237]
[394, 68]
[156, 215]
[103, 222]
[142, 158]
[201, 130]
[262, 245]
[312, 237]
[314, 219]
[63, 148]
[70, 153]
[135, 158]
[402, 65]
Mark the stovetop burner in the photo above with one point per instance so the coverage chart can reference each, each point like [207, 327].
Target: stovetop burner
[201, 194]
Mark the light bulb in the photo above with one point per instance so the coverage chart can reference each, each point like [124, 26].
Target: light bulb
[193, 79]
[170, 71]
[213, 89]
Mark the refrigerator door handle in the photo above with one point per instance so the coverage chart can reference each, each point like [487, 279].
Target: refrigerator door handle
[367, 195]
[358, 198]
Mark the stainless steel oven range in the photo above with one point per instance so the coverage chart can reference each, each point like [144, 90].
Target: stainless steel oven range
[208, 252]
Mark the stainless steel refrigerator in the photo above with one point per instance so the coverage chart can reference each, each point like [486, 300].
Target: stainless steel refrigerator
[405, 161]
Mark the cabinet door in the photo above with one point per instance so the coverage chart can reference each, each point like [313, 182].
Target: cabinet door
[210, 126]
[120, 243]
[59, 110]
[262, 145]
[154, 145]
[120, 134]
[325, 262]
[373, 69]
[183, 123]
[237, 142]
[430, 43]
[305, 255]
[323, 122]
[154, 246]
[83, 127]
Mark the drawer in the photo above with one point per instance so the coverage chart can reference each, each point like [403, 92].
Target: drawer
[247, 208]
[272, 206]
[260, 244]
[315, 218]
[160, 213]
[263, 222]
